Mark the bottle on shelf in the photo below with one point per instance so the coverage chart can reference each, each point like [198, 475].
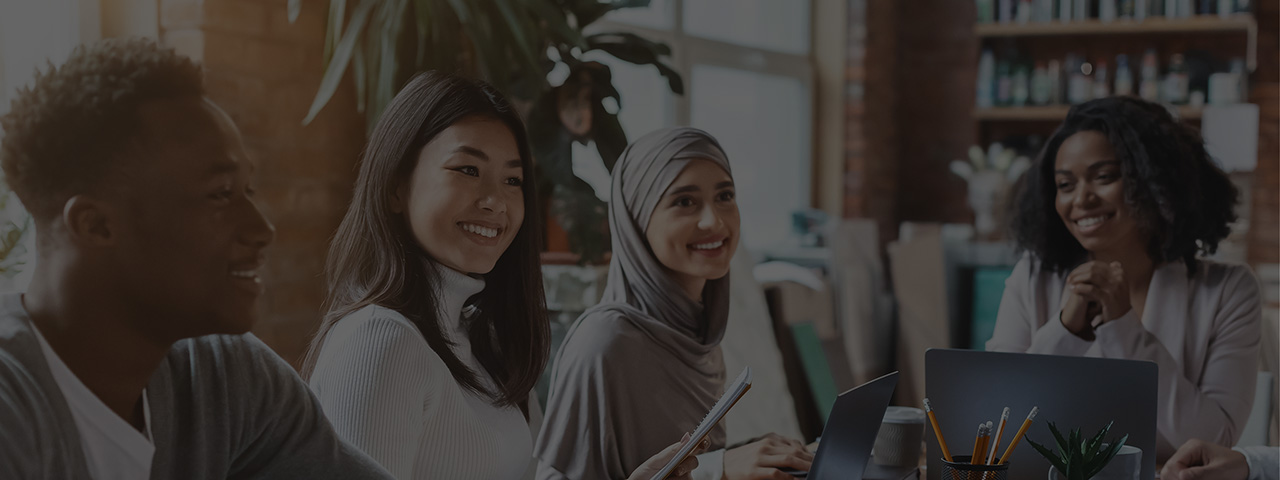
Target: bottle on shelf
[1054, 75]
[1176, 81]
[1238, 68]
[1021, 88]
[1079, 87]
[1127, 9]
[1226, 8]
[1004, 83]
[1124, 77]
[1149, 90]
[1186, 8]
[1041, 85]
[1081, 8]
[1024, 12]
[1043, 11]
[1101, 88]
[1065, 11]
[986, 80]
[986, 10]
[1107, 10]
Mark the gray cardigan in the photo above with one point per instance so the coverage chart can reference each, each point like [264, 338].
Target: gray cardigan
[222, 406]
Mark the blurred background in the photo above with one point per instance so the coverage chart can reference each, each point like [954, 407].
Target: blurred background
[873, 141]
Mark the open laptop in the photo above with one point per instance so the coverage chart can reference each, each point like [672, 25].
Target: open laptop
[969, 387]
[851, 431]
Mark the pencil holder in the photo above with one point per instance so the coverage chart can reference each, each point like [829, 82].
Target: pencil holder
[960, 469]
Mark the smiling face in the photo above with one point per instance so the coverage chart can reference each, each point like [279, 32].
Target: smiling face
[193, 239]
[694, 228]
[1090, 195]
[464, 200]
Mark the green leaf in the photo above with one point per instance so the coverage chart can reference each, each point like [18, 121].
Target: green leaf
[556, 22]
[486, 58]
[583, 216]
[588, 11]
[673, 78]
[421, 17]
[1105, 458]
[1062, 443]
[295, 8]
[341, 57]
[521, 34]
[1049, 455]
[333, 33]
[610, 139]
[358, 71]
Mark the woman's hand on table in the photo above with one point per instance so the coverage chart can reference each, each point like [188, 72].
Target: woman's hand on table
[1197, 460]
[763, 458]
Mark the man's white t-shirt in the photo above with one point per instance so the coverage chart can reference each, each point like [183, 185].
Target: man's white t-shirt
[113, 449]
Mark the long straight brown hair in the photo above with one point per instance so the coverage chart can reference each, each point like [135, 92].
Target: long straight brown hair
[374, 259]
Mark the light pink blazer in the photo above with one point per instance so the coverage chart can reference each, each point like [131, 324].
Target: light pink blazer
[1202, 332]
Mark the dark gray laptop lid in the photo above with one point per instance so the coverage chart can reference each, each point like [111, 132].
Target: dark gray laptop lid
[851, 430]
[969, 387]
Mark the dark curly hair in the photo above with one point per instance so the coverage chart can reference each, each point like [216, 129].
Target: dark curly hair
[64, 132]
[1178, 194]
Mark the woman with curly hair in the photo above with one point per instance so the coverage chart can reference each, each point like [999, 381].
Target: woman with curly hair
[1111, 220]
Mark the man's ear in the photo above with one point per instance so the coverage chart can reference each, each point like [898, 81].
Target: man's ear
[90, 221]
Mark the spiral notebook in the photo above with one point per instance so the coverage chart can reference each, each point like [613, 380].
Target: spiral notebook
[731, 395]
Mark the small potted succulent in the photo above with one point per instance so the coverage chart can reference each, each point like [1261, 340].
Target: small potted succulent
[1076, 458]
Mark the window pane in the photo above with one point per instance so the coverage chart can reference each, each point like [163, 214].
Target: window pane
[33, 33]
[656, 15]
[763, 123]
[646, 106]
[780, 25]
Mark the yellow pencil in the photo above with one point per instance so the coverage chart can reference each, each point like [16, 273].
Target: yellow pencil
[979, 444]
[995, 442]
[933, 419]
[1026, 425]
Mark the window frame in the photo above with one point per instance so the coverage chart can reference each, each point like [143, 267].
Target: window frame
[690, 50]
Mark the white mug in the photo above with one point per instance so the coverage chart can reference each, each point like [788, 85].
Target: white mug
[1127, 465]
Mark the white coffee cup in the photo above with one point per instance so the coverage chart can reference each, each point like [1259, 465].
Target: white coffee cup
[1127, 465]
[899, 441]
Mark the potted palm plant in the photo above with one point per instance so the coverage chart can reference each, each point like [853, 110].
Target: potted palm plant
[1076, 458]
[515, 45]
[15, 223]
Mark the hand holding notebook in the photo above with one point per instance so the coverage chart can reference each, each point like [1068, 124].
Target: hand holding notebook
[732, 393]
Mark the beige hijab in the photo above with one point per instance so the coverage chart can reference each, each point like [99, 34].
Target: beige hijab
[643, 367]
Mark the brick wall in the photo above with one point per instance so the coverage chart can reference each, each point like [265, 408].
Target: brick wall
[871, 138]
[910, 77]
[1264, 227]
[936, 77]
[264, 72]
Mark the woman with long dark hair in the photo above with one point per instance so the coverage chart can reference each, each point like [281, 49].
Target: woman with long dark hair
[1113, 218]
[436, 330]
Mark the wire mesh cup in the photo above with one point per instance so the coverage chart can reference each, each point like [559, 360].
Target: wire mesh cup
[960, 469]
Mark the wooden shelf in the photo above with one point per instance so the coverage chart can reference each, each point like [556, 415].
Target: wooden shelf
[1051, 113]
[1243, 23]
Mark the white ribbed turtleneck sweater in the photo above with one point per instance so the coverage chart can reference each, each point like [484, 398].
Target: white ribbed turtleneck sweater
[390, 394]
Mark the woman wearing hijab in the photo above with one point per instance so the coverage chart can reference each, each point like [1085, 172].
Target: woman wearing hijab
[644, 366]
